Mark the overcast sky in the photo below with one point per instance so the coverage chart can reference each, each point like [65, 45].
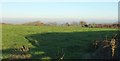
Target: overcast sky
[18, 12]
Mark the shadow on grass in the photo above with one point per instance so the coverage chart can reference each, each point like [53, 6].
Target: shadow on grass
[75, 45]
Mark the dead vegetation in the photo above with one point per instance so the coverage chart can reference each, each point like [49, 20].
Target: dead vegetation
[20, 53]
[60, 55]
[102, 47]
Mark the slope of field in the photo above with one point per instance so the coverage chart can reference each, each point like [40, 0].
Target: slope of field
[46, 41]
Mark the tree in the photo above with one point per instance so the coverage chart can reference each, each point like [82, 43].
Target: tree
[93, 25]
[67, 24]
[83, 23]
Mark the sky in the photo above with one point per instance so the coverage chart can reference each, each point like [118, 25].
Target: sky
[59, 0]
[20, 12]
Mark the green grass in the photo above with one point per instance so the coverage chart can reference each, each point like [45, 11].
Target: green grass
[46, 41]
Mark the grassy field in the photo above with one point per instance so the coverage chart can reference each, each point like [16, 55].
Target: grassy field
[46, 41]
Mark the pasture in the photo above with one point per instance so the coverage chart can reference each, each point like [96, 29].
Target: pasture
[45, 42]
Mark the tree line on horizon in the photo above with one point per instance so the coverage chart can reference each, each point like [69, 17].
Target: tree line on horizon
[81, 24]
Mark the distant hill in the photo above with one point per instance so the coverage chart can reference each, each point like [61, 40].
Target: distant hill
[35, 23]
[5, 24]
